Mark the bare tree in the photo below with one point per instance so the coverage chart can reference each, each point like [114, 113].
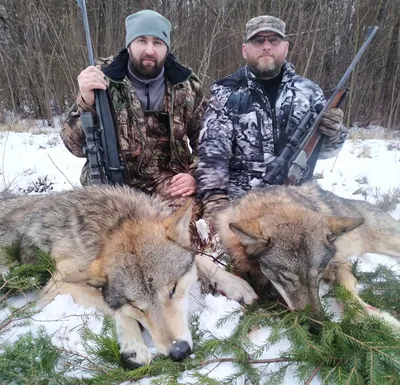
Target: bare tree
[42, 47]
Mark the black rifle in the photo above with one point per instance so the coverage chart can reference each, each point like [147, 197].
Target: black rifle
[306, 143]
[101, 138]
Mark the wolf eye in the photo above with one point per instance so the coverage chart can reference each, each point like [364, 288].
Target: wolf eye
[135, 307]
[330, 238]
[286, 277]
[172, 292]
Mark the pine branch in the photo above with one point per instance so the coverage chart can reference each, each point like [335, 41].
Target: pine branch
[19, 277]
[313, 374]
[357, 350]
[250, 361]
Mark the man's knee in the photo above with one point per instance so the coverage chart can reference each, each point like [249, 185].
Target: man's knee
[86, 175]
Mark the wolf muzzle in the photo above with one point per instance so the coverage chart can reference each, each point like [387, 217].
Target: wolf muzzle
[179, 350]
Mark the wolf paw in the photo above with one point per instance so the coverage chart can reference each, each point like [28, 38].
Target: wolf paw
[383, 315]
[132, 359]
[235, 288]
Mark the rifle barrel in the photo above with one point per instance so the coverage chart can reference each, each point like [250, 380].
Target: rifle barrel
[303, 143]
[370, 35]
[82, 6]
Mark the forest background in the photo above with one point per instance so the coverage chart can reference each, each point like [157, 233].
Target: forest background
[43, 49]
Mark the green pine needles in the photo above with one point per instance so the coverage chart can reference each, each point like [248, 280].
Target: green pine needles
[357, 350]
[32, 360]
[20, 278]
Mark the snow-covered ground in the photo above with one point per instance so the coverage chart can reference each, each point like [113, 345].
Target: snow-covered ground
[365, 169]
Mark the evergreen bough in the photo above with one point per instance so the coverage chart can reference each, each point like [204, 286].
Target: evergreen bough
[359, 349]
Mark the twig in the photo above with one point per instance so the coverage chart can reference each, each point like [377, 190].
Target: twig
[60, 171]
[215, 259]
[313, 374]
[252, 362]
[10, 319]
[334, 163]
[96, 367]
[4, 155]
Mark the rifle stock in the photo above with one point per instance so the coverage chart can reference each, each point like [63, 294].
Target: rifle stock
[101, 134]
[307, 141]
[311, 142]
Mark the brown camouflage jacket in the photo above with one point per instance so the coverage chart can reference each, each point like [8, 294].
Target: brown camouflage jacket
[153, 145]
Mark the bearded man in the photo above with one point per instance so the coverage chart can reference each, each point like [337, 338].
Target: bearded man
[253, 113]
[158, 107]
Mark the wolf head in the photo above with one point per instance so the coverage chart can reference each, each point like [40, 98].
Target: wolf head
[146, 269]
[291, 247]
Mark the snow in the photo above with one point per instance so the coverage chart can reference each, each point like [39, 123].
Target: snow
[364, 169]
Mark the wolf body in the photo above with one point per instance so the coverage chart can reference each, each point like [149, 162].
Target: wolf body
[122, 252]
[294, 237]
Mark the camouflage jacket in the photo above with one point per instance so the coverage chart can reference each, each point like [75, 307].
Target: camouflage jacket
[154, 146]
[242, 132]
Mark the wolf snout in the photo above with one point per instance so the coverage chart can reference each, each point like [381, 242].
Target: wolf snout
[179, 350]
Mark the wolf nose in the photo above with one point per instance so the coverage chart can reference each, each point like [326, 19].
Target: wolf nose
[180, 350]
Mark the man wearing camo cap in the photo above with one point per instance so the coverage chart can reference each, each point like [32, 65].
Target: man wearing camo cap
[252, 114]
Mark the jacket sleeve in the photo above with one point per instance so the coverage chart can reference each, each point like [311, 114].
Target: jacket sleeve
[71, 132]
[194, 120]
[330, 148]
[215, 151]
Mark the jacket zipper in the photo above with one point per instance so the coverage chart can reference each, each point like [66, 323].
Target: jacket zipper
[147, 94]
[274, 129]
[270, 108]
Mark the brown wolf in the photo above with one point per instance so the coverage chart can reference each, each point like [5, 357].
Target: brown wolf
[122, 252]
[296, 236]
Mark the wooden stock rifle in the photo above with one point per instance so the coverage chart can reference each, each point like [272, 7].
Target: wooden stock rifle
[300, 154]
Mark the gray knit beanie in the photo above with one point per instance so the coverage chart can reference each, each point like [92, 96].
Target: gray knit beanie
[149, 23]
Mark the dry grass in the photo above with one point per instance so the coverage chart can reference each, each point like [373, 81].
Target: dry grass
[388, 201]
[365, 152]
[25, 125]
[373, 132]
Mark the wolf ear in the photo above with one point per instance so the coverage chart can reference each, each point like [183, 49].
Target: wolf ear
[93, 276]
[341, 225]
[177, 225]
[250, 237]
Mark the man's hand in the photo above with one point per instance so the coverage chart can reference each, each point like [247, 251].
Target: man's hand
[90, 79]
[182, 185]
[331, 124]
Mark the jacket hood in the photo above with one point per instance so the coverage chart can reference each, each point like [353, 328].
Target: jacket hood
[174, 71]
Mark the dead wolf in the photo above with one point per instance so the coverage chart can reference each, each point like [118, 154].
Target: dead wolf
[296, 236]
[122, 252]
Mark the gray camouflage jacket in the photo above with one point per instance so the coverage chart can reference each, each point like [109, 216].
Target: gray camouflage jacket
[241, 131]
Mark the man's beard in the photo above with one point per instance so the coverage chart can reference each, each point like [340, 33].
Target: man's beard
[143, 71]
[266, 73]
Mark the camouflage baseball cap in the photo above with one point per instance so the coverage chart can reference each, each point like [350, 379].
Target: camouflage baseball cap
[265, 23]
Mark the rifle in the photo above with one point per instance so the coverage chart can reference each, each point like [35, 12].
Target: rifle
[101, 138]
[306, 143]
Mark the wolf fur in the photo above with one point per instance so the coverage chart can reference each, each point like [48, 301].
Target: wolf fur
[295, 237]
[122, 252]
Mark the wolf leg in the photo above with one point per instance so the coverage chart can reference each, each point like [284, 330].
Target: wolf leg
[82, 294]
[232, 286]
[134, 352]
[380, 233]
[339, 270]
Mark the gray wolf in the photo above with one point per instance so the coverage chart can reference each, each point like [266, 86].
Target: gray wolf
[122, 252]
[294, 237]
